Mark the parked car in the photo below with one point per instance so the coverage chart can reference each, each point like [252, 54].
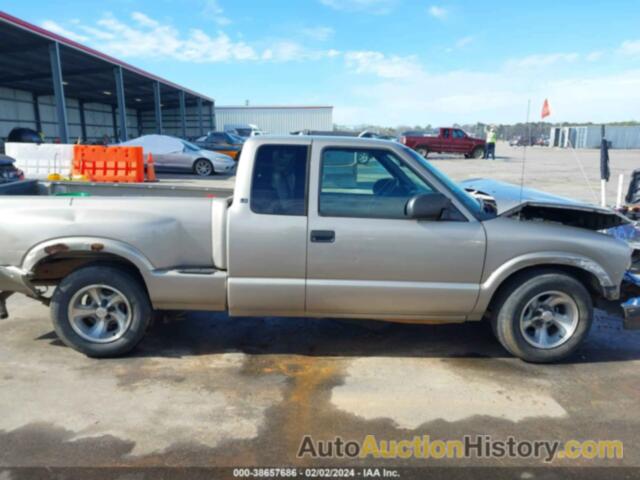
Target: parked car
[8, 171]
[174, 154]
[448, 140]
[244, 130]
[222, 142]
[219, 139]
[23, 135]
[319, 227]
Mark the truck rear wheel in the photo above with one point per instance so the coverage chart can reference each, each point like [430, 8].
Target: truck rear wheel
[542, 316]
[423, 151]
[101, 311]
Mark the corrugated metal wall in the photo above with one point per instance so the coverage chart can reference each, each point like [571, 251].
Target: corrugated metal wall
[589, 136]
[276, 120]
[172, 125]
[17, 110]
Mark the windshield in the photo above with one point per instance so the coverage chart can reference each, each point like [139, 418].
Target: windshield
[471, 203]
[244, 132]
[190, 146]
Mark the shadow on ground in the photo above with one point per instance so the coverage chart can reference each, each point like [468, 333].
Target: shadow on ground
[203, 333]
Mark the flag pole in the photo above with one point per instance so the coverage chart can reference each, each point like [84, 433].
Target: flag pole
[603, 181]
[524, 150]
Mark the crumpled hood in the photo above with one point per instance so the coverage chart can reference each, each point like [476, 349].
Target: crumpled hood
[530, 204]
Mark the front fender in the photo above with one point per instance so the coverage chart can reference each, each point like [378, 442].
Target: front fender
[610, 289]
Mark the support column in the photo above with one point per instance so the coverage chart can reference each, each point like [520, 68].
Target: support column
[183, 114]
[158, 108]
[122, 104]
[114, 121]
[139, 117]
[200, 123]
[83, 121]
[36, 112]
[58, 92]
[212, 121]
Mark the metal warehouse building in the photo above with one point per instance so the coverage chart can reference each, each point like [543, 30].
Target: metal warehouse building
[279, 120]
[69, 91]
[590, 136]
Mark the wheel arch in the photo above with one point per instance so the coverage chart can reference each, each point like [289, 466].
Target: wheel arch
[49, 262]
[586, 271]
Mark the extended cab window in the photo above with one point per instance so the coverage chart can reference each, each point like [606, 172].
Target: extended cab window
[366, 183]
[279, 180]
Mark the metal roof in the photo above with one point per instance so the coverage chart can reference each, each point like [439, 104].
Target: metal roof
[87, 73]
[281, 107]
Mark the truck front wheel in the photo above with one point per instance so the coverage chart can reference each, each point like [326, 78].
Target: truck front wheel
[542, 316]
[478, 152]
[101, 311]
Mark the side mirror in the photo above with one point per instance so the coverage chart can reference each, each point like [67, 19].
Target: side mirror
[427, 206]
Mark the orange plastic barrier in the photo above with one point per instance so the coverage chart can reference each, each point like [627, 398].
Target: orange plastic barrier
[109, 164]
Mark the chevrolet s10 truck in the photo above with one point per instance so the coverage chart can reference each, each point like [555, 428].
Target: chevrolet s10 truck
[317, 227]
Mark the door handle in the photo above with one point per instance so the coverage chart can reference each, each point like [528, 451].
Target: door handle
[323, 236]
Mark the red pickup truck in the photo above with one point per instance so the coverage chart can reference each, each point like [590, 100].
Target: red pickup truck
[448, 140]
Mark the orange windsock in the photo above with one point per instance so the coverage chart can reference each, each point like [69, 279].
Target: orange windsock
[546, 109]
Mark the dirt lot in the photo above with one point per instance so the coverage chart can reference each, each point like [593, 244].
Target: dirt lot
[211, 390]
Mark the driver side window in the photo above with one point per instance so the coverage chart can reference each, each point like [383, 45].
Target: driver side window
[366, 183]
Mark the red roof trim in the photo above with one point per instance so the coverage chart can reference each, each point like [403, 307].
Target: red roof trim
[90, 51]
[266, 107]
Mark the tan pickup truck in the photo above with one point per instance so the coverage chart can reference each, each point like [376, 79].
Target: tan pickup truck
[320, 227]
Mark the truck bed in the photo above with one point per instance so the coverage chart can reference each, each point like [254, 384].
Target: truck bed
[41, 188]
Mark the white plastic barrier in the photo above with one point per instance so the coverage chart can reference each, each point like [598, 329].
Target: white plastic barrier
[38, 161]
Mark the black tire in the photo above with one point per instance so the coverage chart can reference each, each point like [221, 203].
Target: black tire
[509, 306]
[478, 152]
[203, 168]
[141, 312]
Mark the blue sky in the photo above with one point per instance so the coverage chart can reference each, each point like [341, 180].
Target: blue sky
[384, 62]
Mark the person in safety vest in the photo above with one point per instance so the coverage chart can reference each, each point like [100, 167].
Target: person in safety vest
[490, 145]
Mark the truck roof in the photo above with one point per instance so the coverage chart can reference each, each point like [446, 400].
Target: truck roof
[269, 139]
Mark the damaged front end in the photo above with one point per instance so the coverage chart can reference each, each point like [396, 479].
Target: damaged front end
[526, 204]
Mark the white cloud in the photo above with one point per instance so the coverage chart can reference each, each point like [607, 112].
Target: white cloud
[543, 60]
[145, 37]
[381, 91]
[381, 65]
[630, 47]
[438, 12]
[143, 20]
[60, 30]
[376, 7]
[319, 33]
[594, 56]
[215, 12]
[464, 41]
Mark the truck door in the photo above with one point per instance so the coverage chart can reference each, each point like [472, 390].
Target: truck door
[365, 258]
[267, 231]
[460, 141]
[444, 140]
